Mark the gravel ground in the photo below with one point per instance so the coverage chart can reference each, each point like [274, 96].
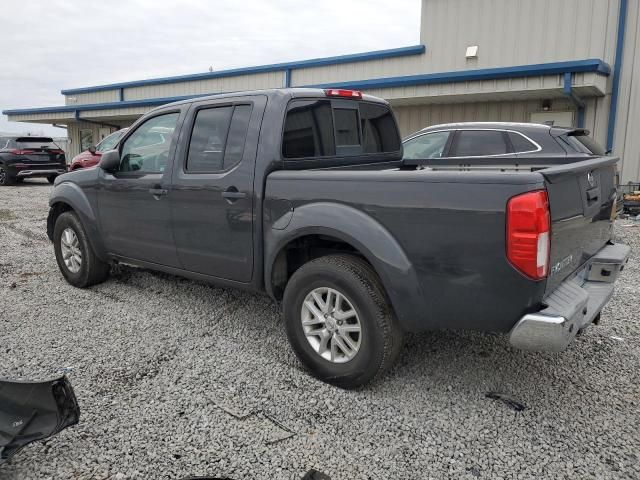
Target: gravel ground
[179, 378]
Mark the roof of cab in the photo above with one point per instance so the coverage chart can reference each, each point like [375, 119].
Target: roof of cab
[275, 93]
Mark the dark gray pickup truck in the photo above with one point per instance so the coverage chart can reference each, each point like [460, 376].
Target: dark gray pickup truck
[303, 194]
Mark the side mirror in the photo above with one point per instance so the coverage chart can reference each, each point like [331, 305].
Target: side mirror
[92, 149]
[110, 161]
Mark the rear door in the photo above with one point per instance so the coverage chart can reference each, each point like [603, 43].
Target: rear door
[212, 199]
[582, 198]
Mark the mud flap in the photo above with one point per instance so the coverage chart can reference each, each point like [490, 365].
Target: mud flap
[32, 411]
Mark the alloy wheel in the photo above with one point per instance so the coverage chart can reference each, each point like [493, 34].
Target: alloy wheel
[331, 325]
[70, 248]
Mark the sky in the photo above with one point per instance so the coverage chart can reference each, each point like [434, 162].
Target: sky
[51, 45]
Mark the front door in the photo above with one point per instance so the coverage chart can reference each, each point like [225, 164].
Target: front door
[133, 204]
[212, 198]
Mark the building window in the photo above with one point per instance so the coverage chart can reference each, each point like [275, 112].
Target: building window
[86, 139]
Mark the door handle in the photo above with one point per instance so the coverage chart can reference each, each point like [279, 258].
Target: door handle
[157, 192]
[232, 194]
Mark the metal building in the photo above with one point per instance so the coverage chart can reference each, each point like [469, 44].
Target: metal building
[570, 61]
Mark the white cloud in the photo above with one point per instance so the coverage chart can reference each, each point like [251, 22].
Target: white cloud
[57, 44]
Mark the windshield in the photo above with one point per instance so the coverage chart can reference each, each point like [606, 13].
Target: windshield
[109, 142]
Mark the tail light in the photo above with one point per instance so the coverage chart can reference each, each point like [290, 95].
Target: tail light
[528, 233]
[339, 92]
[17, 151]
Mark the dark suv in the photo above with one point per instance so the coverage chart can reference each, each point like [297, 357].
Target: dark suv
[478, 145]
[28, 157]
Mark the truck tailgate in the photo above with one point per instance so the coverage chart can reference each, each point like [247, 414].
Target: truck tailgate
[582, 199]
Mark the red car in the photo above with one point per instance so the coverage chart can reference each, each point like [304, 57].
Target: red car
[92, 155]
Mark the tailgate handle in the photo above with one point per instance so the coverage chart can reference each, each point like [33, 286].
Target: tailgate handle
[592, 195]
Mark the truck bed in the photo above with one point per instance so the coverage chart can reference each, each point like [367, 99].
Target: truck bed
[450, 227]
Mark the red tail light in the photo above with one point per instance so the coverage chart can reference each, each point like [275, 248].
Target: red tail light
[17, 151]
[339, 92]
[528, 233]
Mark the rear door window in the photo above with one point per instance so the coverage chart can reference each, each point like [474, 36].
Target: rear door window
[218, 138]
[476, 143]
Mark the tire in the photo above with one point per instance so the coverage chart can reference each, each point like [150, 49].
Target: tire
[90, 269]
[51, 179]
[5, 178]
[379, 340]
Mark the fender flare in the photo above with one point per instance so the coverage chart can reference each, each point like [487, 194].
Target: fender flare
[72, 195]
[369, 237]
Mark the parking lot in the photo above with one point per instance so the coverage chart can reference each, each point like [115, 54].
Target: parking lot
[177, 378]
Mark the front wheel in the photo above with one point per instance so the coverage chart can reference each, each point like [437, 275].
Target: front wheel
[51, 179]
[76, 259]
[339, 321]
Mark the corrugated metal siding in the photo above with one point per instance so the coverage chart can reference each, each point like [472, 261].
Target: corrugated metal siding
[93, 97]
[390, 67]
[627, 140]
[515, 32]
[215, 85]
[415, 117]
[40, 117]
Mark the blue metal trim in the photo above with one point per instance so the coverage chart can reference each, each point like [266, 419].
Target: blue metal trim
[591, 65]
[567, 90]
[617, 67]
[314, 62]
[287, 78]
[103, 106]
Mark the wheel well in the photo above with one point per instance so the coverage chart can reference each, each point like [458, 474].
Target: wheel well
[302, 250]
[55, 211]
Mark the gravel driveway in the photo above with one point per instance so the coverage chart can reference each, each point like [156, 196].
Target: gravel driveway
[178, 378]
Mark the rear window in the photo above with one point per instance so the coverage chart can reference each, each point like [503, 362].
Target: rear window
[584, 144]
[308, 130]
[320, 128]
[26, 143]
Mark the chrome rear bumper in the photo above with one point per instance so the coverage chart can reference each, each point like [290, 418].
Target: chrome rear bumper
[40, 173]
[573, 305]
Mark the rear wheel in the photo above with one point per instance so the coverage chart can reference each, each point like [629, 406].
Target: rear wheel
[76, 259]
[5, 178]
[339, 321]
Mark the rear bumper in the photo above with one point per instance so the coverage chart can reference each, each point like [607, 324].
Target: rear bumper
[573, 305]
[40, 173]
